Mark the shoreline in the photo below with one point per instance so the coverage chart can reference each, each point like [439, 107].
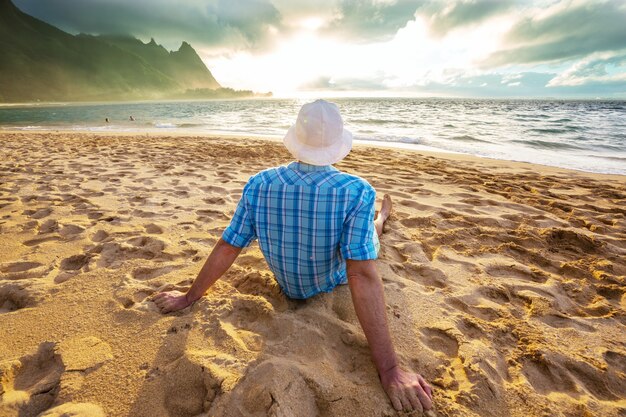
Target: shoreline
[326, 97]
[439, 153]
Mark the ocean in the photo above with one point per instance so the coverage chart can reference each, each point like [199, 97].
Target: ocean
[584, 135]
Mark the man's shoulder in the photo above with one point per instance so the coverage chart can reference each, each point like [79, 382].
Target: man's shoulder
[266, 175]
[334, 178]
[354, 182]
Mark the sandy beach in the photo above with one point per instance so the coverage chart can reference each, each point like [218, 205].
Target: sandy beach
[504, 283]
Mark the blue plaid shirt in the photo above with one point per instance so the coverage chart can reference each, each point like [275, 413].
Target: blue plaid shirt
[308, 220]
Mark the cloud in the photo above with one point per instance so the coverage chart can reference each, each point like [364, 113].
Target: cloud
[450, 47]
[566, 31]
[447, 16]
[371, 20]
[491, 84]
[593, 70]
[223, 23]
[326, 83]
[380, 20]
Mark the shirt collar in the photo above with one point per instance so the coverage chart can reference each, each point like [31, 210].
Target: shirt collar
[301, 166]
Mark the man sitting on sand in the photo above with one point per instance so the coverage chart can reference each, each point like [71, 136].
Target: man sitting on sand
[316, 229]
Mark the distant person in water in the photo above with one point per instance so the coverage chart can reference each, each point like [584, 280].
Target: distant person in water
[316, 228]
[106, 120]
[132, 119]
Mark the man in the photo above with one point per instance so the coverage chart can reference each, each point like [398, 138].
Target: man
[315, 228]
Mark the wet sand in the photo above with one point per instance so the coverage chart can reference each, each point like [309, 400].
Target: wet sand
[504, 282]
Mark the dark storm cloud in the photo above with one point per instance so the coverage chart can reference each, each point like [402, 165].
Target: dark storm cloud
[571, 33]
[231, 24]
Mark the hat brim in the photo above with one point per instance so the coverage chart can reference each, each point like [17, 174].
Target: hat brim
[318, 156]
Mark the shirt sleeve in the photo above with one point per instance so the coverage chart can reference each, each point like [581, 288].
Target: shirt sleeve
[240, 233]
[357, 237]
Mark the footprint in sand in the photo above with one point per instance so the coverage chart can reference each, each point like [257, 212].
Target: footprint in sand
[440, 341]
[427, 276]
[94, 215]
[479, 311]
[470, 329]
[520, 272]
[562, 322]
[153, 229]
[571, 241]
[498, 295]
[99, 236]
[39, 213]
[144, 214]
[71, 230]
[75, 262]
[207, 215]
[31, 384]
[39, 241]
[146, 273]
[615, 360]
[48, 226]
[23, 270]
[113, 254]
[217, 200]
[16, 296]
[551, 372]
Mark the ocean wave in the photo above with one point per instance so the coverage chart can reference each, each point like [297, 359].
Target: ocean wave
[542, 144]
[27, 127]
[165, 125]
[564, 129]
[468, 138]
[372, 121]
[608, 146]
[610, 157]
[397, 139]
[534, 116]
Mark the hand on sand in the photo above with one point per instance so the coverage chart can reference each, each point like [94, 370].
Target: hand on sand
[171, 301]
[406, 390]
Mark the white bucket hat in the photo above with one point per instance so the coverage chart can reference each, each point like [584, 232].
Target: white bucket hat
[318, 137]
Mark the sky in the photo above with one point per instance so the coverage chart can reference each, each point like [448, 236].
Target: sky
[459, 48]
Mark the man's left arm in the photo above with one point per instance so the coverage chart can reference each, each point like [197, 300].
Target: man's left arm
[406, 390]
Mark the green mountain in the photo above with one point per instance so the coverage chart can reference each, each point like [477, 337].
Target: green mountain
[39, 62]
